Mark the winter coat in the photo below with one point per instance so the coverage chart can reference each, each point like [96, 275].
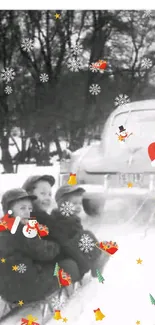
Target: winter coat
[37, 280]
[68, 233]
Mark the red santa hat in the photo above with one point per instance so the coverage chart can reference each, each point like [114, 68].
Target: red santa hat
[12, 222]
[151, 153]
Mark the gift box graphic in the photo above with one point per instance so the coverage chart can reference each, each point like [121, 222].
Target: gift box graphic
[43, 230]
[30, 320]
[108, 247]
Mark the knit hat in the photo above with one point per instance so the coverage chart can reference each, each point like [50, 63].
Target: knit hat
[28, 185]
[66, 189]
[14, 195]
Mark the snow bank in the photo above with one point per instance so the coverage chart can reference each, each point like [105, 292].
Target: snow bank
[124, 296]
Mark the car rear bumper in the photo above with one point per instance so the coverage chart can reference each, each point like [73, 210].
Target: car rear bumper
[118, 192]
[112, 188]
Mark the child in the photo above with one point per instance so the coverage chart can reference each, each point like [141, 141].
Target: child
[34, 255]
[76, 196]
[67, 231]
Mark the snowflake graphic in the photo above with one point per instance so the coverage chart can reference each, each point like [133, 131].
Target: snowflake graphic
[121, 100]
[93, 68]
[27, 45]
[8, 90]
[44, 77]
[147, 14]
[77, 49]
[8, 74]
[94, 89]
[67, 209]
[21, 268]
[146, 63]
[86, 244]
[74, 64]
[57, 303]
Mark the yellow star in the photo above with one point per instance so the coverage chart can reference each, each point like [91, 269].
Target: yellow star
[65, 320]
[138, 322]
[139, 261]
[14, 267]
[3, 260]
[130, 184]
[20, 302]
[57, 16]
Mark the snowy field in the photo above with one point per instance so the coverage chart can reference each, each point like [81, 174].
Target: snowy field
[124, 296]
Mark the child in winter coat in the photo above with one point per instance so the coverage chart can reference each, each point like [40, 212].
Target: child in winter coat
[67, 231]
[26, 270]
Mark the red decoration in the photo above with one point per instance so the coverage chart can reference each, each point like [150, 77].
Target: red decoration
[64, 278]
[109, 247]
[42, 230]
[151, 153]
[100, 64]
[25, 321]
[9, 223]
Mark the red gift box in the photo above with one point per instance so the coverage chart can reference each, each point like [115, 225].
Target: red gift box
[43, 230]
[108, 247]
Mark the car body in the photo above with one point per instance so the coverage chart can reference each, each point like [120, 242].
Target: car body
[113, 167]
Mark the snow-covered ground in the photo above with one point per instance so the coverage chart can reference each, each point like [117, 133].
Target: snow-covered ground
[124, 296]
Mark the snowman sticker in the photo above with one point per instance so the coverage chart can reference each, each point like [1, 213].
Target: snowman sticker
[30, 230]
[123, 135]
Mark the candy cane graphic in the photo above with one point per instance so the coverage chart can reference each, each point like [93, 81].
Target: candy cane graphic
[15, 225]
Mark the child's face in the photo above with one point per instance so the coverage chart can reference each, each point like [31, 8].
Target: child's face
[43, 193]
[23, 209]
[76, 200]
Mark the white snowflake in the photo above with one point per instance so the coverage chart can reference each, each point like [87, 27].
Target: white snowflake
[44, 77]
[77, 49]
[86, 244]
[67, 209]
[57, 303]
[94, 89]
[8, 74]
[74, 64]
[147, 14]
[121, 100]
[21, 268]
[93, 68]
[27, 45]
[146, 63]
[8, 90]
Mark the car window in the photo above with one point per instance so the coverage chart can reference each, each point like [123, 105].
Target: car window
[141, 123]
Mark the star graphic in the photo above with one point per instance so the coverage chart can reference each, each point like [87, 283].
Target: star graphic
[3, 260]
[14, 267]
[20, 302]
[138, 322]
[130, 185]
[57, 16]
[139, 261]
[65, 320]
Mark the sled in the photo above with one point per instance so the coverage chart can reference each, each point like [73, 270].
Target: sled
[109, 250]
[46, 307]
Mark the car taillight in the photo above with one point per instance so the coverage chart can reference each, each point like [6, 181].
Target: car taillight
[106, 179]
[151, 182]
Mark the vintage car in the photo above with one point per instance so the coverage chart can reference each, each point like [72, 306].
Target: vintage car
[114, 167]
